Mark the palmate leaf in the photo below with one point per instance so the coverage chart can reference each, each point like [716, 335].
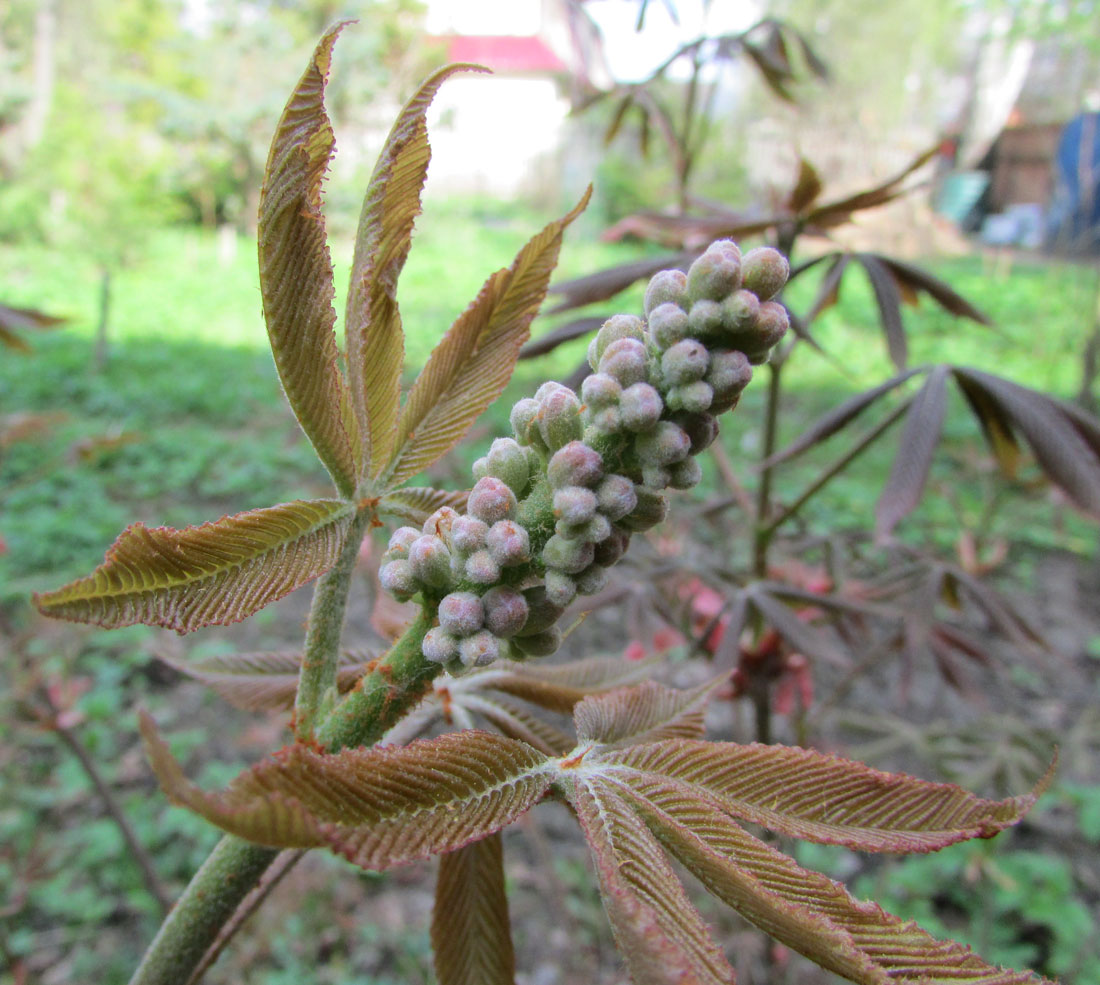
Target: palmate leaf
[804, 910]
[659, 932]
[375, 341]
[263, 681]
[215, 574]
[471, 939]
[648, 712]
[377, 807]
[474, 361]
[296, 272]
[806, 794]
[414, 504]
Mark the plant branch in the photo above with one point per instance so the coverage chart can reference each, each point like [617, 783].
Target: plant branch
[838, 466]
[317, 678]
[762, 536]
[137, 850]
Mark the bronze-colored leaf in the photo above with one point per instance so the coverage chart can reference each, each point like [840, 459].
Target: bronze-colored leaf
[515, 721]
[263, 681]
[806, 794]
[838, 212]
[377, 807]
[804, 910]
[604, 284]
[471, 931]
[806, 189]
[913, 460]
[802, 637]
[836, 419]
[16, 320]
[414, 504]
[375, 340]
[1064, 440]
[296, 271]
[828, 291]
[473, 362]
[216, 574]
[659, 932]
[558, 687]
[644, 713]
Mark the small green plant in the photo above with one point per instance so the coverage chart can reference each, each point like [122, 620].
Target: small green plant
[553, 508]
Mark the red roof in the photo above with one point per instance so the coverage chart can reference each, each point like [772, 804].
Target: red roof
[504, 53]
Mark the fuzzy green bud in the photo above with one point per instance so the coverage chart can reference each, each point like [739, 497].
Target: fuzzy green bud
[714, 275]
[440, 522]
[575, 464]
[764, 271]
[652, 508]
[461, 613]
[525, 422]
[592, 580]
[624, 360]
[575, 504]
[739, 312]
[539, 644]
[666, 286]
[693, 397]
[505, 611]
[397, 578]
[491, 500]
[664, 445]
[541, 612]
[729, 374]
[468, 534]
[567, 555]
[482, 568]
[561, 589]
[439, 646]
[686, 474]
[771, 325]
[668, 324]
[616, 496]
[508, 543]
[506, 461]
[610, 551]
[701, 430]
[641, 407]
[616, 327]
[479, 650]
[706, 319]
[600, 390]
[430, 561]
[685, 362]
[400, 539]
[560, 418]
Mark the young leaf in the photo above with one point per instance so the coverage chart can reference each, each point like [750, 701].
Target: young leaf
[296, 271]
[218, 573]
[414, 504]
[471, 939]
[920, 280]
[558, 687]
[888, 299]
[804, 638]
[826, 799]
[802, 909]
[375, 341]
[262, 681]
[659, 932]
[515, 721]
[377, 807]
[645, 713]
[471, 365]
[909, 473]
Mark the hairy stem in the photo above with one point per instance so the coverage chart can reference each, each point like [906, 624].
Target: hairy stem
[317, 677]
[762, 533]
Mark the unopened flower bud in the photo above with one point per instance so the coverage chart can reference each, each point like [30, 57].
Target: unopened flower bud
[567, 555]
[686, 474]
[616, 497]
[541, 612]
[739, 312]
[468, 534]
[616, 327]
[482, 568]
[625, 360]
[600, 390]
[665, 444]
[439, 646]
[668, 324]
[610, 551]
[505, 611]
[561, 589]
[729, 374]
[714, 275]
[560, 418]
[771, 325]
[764, 271]
[693, 397]
[461, 613]
[575, 464]
[652, 508]
[701, 430]
[706, 319]
[539, 644]
[666, 286]
[508, 462]
[640, 407]
[397, 578]
[592, 580]
[400, 539]
[430, 561]
[525, 422]
[508, 543]
[685, 362]
[575, 504]
[440, 522]
[479, 650]
[491, 500]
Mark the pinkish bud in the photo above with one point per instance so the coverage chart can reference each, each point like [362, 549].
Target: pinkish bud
[764, 271]
[575, 464]
[505, 611]
[491, 500]
[625, 360]
[668, 324]
[640, 407]
[508, 543]
[461, 613]
[666, 286]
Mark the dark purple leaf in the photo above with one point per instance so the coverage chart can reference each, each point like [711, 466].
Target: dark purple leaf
[804, 638]
[606, 284]
[921, 280]
[909, 473]
[888, 299]
[560, 335]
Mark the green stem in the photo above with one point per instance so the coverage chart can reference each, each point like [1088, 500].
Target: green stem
[317, 677]
[226, 877]
[762, 533]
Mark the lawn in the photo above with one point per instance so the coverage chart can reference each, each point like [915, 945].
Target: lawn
[185, 423]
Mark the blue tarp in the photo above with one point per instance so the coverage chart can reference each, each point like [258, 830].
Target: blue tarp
[1073, 222]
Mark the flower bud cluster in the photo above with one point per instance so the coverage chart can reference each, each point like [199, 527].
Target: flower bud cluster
[585, 472]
